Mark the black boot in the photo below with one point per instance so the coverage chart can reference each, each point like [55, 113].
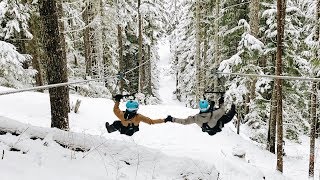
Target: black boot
[110, 128]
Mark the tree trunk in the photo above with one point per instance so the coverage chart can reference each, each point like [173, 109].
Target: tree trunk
[176, 60]
[34, 48]
[205, 53]
[63, 41]
[86, 41]
[149, 66]
[313, 120]
[271, 146]
[57, 65]
[254, 31]
[105, 50]
[121, 63]
[93, 36]
[239, 117]
[313, 116]
[281, 6]
[61, 30]
[148, 71]
[216, 57]
[247, 101]
[97, 43]
[21, 44]
[318, 56]
[197, 55]
[141, 67]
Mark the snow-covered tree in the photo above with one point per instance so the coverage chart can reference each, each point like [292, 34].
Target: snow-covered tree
[14, 16]
[185, 51]
[12, 74]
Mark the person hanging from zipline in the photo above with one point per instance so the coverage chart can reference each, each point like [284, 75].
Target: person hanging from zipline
[129, 119]
[210, 120]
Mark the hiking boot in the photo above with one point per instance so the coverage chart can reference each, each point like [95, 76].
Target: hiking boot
[110, 128]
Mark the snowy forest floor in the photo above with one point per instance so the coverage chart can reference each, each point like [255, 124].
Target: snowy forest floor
[163, 151]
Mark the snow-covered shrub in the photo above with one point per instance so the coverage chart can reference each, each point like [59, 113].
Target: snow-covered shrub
[12, 73]
[14, 16]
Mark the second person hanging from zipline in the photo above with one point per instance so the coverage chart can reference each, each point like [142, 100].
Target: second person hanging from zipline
[210, 120]
[129, 119]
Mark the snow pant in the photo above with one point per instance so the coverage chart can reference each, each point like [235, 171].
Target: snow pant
[129, 130]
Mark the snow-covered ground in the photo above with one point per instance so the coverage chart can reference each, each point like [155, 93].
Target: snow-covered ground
[167, 80]
[163, 151]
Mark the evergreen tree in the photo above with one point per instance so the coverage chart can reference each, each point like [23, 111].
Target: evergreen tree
[14, 16]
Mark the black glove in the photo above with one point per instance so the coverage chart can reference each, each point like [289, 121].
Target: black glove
[233, 107]
[118, 97]
[221, 100]
[168, 118]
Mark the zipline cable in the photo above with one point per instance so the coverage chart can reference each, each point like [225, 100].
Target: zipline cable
[104, 78]
[66, 83]
[52, 86]
[271, 76]
[136, 67]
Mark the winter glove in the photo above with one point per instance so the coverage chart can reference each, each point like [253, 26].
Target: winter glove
[233, 107]
[233, 110]
[168, 118]
[221, 100]
[118, 97]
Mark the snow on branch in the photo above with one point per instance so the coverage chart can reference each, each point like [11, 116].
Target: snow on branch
[8, 53]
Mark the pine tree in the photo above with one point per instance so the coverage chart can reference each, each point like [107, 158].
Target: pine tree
[295, 64]
[186, 44]
[93, 38]
[14, 17]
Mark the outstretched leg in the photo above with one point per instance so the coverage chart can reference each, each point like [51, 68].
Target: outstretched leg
[229, 116]
[116, 125]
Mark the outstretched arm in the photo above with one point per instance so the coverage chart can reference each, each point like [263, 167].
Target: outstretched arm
[188, 120]
[117, 111]
[149, 121]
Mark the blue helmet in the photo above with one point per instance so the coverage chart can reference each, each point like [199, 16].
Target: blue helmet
[204, 105]
[132, 105]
